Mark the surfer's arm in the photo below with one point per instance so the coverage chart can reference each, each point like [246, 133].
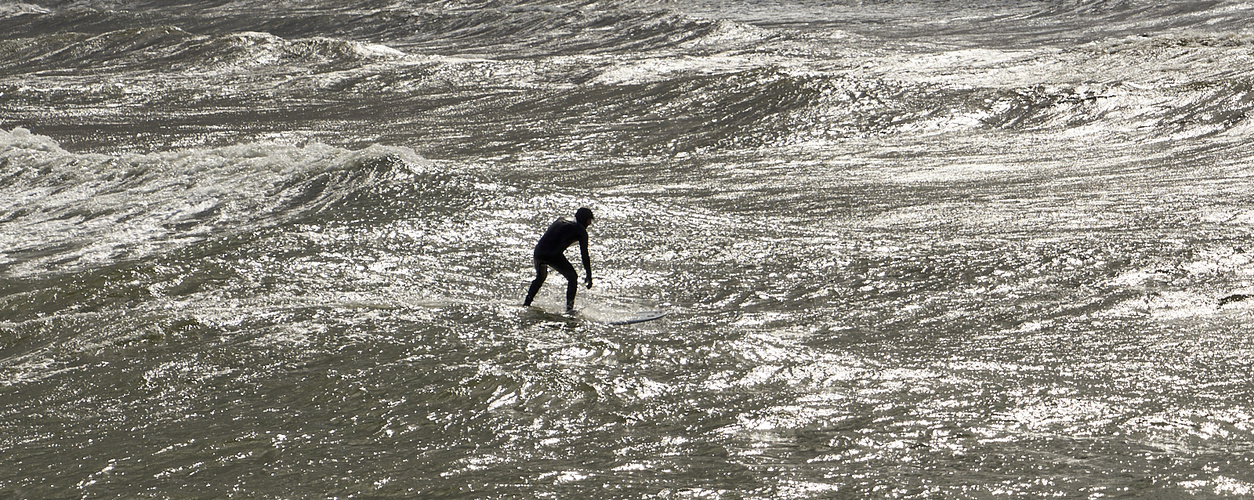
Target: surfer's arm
[587, 262]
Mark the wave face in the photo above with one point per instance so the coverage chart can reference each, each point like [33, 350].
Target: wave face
[907, 248]
[70, 211]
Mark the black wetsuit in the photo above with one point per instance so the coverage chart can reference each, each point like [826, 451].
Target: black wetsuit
[550, 252]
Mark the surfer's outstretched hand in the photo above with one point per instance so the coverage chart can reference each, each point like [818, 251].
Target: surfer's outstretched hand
[588, 281]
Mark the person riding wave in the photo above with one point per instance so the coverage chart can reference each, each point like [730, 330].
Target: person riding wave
[550, 253]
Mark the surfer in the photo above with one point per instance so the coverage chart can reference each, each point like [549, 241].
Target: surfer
[550, 252]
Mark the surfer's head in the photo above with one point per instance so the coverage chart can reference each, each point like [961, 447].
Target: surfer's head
[584, 216]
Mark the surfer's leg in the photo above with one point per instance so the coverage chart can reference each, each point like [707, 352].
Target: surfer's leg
[572, 279]
[542, 271]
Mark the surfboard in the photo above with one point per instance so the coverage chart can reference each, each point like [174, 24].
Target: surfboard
[605, 315]
[638, 317]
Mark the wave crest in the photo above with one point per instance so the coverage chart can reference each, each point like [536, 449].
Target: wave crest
[62, 211]
[171, 47]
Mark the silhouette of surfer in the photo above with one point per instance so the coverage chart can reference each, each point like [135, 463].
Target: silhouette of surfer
[550, 252]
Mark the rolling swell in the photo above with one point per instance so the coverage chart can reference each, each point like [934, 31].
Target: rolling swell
[66, 211]
[766, 107]
[558, 77]
[522, 28]
[171, 47]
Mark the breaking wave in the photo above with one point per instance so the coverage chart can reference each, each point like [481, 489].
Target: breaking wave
[63, 211]
[173, 48]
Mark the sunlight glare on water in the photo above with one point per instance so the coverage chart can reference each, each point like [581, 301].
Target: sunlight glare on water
[904, 250]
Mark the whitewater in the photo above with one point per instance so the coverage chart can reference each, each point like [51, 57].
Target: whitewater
[906, 248]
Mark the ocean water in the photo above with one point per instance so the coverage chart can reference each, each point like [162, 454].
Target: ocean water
[907, 248]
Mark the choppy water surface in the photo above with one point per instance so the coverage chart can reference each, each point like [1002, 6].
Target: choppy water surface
[908, 249]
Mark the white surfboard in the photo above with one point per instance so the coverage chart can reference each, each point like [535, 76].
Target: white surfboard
[602, 314]
[638, 317]
[621, 313]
